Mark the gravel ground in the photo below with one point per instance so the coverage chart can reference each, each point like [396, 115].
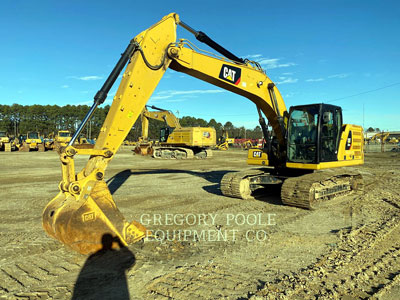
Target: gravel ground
[208, 246]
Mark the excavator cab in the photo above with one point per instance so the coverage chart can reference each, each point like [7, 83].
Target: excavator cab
[164, 134]
[314, 133]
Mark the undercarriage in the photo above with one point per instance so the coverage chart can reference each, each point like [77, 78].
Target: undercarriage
[304, 191]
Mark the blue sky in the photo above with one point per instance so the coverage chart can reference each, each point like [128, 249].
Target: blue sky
[60, 52]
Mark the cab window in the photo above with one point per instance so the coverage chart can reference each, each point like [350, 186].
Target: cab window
[302, 134]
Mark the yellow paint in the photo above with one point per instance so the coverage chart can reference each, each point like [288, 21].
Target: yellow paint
[257, 157]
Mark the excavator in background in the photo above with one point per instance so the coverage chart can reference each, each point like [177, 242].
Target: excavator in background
[379, 137]
[385, 137]
[176, 142]
[224, 141]
[304, 151]
[31, 141]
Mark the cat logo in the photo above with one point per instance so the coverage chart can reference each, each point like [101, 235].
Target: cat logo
[89, 216]
[349, 141]
[206, 134]
[257, 154]
[230, 74]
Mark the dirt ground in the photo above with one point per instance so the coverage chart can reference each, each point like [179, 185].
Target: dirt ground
[208, 246]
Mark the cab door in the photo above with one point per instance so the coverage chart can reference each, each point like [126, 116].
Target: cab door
[164, 134]
[330, 127]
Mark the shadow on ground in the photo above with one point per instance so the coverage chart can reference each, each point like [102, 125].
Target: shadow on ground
[103, 275]
[115, 182]
[270, 194]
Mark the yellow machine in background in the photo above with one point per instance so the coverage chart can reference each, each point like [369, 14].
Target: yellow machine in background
[379, 137]
[144, 146]
[31, 141]
[247, 145]
[61, 139]
[83, 141]
[186, 142]
[49, 142]
[224, 141]
[84, 209]
[5, 142]
[385, 137]
[175, 141]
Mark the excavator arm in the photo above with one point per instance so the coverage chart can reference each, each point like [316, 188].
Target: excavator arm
[159, 114]
[84, 210]
[162, 115]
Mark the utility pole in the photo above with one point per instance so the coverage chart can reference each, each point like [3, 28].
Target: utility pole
[363, 116]
[364, 124]
[364, 131]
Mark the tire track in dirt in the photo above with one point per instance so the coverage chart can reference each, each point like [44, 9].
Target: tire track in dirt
[190, 281]
[363, 265]
[200, 280]
[39, 276]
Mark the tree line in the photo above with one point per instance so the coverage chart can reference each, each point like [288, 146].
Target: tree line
[18, 119]
[370, 129]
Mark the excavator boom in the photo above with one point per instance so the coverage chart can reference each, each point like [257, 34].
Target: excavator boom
[84, 210]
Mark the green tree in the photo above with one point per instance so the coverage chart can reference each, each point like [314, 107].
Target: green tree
[19, 119]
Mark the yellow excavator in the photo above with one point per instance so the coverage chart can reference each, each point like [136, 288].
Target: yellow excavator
[303, 152]
[176, 142]
[385, 137]
[379, 137]
[224, 142]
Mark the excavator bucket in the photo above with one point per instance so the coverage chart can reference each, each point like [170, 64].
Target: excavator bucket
[144, 149]
[80, 221]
